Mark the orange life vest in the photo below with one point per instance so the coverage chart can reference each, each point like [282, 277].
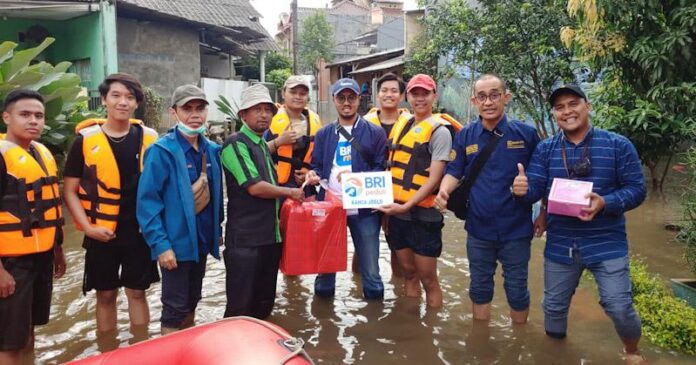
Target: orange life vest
[30, 208]
[287, 161]
[100, 184]
[409, 159]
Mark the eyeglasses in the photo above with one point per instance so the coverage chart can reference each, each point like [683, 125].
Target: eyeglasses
[495, 97]
[350, 98]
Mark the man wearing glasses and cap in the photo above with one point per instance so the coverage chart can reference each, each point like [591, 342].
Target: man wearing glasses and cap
[252, 234]
[292, 131]
[596, 239]
[351, 144]
[180, 206]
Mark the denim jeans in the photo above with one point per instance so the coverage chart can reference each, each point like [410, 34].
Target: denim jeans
[365, 233]
[483, 261]
[613, 282]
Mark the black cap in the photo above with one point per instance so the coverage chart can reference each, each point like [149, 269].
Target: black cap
[567, 89]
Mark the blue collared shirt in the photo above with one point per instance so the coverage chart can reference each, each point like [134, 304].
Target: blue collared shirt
[616, 176]
[494, 215]
[204, 219]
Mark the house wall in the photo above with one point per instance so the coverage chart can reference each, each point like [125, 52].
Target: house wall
[76, 39]
[215, 65]
[391, 35]
[161, 56]
[412, 28]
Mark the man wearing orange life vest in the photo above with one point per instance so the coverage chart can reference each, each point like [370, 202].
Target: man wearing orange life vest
[291, 134]
[390, 92]
[31, 225]
[101, 180]
[421, 150]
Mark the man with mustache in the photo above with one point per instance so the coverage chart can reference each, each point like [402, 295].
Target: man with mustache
[180, 206]
[596, 239]
[252, 234]
[292, 131]
[499, 227]
[351, 144]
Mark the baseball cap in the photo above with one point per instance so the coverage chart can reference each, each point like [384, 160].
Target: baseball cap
[185, 93]
[254, 95]
[294, 81]
[343, 84]
[567, 89]
[421, 80]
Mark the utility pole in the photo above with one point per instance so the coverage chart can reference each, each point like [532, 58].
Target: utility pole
[295, 25]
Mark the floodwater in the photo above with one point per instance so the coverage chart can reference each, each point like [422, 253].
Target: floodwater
[350, 330]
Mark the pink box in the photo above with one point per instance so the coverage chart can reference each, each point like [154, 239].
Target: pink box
[567, 197]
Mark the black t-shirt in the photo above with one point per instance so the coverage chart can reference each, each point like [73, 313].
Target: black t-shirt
[127, 154]
[387, 128]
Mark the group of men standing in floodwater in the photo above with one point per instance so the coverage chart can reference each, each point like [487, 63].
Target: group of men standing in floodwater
[145, 200]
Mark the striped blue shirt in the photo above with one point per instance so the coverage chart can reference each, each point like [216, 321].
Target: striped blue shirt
[616, 176]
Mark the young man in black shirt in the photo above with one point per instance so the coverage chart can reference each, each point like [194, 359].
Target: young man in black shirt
[101, 180]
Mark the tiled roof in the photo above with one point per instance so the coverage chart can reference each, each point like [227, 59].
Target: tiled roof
[234, 14]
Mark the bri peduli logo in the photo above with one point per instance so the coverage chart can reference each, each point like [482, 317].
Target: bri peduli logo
[354, 187]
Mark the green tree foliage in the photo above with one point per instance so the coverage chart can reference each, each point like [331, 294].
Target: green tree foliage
[687, 234]
[231, 110]
[515, 39]
[249, 65]
[643, 52]
[60, 90]
[279, 76]
[316, 41]
[277, 61]
[150, 111]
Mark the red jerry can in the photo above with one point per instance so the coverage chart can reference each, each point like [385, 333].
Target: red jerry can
[315, 236]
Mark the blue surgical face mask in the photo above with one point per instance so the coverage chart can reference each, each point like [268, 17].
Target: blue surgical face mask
[190, 131]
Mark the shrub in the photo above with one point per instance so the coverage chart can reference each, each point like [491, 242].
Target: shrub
[60, 89]
[668, 322]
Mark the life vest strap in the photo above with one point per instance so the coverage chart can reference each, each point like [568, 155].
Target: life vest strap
[295, 162]
[12, 200]
[99, 200]
[94, 215]
[400, 147]
[108, 189]
[35, 224]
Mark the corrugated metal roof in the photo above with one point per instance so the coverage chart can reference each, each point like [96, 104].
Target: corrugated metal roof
[396, 61]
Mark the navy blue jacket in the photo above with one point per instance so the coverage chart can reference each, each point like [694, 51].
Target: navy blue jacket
[371, 139]
[494, 215]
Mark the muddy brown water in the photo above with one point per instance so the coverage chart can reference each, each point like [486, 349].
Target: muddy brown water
[349, 330]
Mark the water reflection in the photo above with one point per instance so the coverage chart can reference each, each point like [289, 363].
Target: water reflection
[350, 330]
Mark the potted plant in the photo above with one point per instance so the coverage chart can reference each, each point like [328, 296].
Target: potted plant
[686, 288]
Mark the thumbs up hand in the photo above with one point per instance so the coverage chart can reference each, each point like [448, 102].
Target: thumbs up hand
[520, 185]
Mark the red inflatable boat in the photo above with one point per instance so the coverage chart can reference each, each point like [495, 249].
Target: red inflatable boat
[236, 340]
